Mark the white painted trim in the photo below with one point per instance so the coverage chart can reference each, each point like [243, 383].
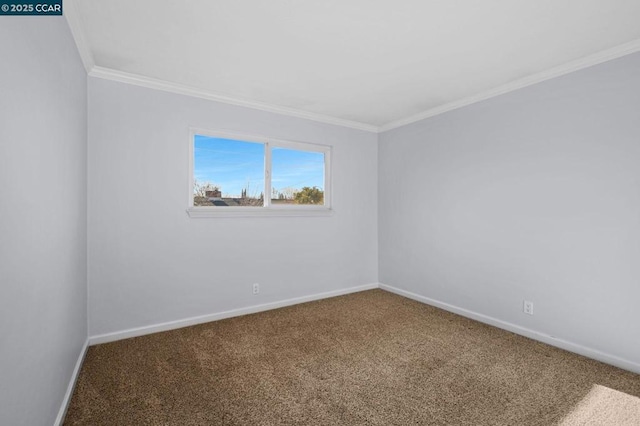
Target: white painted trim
[172, 325]
[249, 137]
[268, 185]
[191, 178]
[273, 211]
[587, 61]
[532, 334]
[71, 13]
[166, 86]
[72, 384]
[267, 209]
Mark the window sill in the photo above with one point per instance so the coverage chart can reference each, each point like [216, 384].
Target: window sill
[206, 212]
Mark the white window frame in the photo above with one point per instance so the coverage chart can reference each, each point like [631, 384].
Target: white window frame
[268, 209]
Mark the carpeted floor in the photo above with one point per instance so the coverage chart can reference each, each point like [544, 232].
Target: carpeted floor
[370, 358]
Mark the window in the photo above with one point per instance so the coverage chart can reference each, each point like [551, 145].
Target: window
[234, 175]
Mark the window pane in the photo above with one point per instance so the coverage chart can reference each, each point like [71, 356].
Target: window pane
[297, 177]
[227, 172]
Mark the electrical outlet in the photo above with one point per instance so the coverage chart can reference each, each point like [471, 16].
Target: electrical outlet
[528, 307]
[256, 288]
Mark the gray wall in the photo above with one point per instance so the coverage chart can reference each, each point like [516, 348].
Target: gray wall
[531, 195]
[43, 136]
[150, 263]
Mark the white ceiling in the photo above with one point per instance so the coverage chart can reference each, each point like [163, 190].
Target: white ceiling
[379, 63]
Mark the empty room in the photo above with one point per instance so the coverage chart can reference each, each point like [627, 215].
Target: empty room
[320, 213]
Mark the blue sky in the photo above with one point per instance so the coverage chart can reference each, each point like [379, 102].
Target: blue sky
[233, 165]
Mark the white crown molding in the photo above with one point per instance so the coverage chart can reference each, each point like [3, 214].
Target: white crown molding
[73, 18]
[72, 15]
[153, 83]
[585, 62]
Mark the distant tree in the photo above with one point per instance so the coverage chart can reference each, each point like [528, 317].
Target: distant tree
[308, 195]
[200, 188]
[288, 193]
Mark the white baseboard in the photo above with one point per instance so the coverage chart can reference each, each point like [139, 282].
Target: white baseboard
[171, 325]
[532, 334]
[186, 322]
[72, 384]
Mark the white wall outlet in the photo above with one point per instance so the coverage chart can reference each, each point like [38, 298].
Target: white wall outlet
[528, 307]
[256, 288]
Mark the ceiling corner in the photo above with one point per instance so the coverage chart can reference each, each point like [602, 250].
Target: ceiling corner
[71, 13]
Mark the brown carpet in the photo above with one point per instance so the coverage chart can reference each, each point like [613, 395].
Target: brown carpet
[371, 358]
